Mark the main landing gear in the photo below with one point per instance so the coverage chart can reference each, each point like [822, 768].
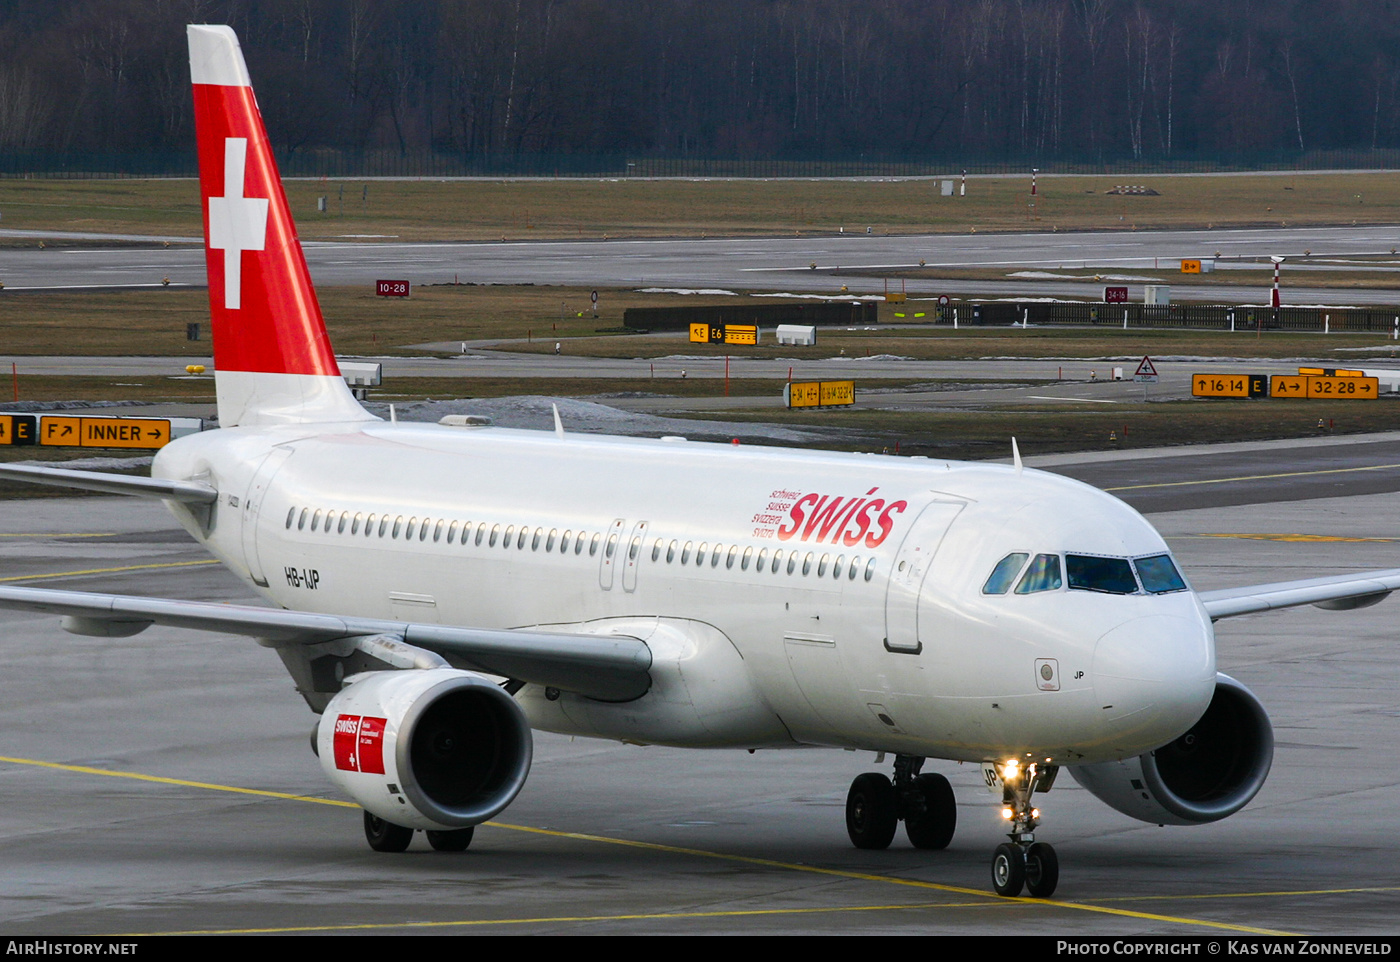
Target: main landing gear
[385, 836]
[1024, 862]
[875, 806]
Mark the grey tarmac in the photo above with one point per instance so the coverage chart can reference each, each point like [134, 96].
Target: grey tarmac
[617, 839]
[780, 264]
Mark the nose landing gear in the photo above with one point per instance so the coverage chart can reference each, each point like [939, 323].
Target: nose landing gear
[925, 803]
[1023, 862]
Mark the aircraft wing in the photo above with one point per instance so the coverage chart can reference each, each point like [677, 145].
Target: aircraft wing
[1338, 593]
[189, 492]
[610, 667]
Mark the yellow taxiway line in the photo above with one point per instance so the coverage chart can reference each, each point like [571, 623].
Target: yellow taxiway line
[104, 571]
[985, 899]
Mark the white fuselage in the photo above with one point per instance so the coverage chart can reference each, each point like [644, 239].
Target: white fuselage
[789, 597]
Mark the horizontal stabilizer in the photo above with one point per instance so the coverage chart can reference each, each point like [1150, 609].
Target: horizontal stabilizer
[188, 492]
[612, 668]
[1339, 592]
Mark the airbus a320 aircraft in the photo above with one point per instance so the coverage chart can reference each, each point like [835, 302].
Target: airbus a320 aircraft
[437, 591]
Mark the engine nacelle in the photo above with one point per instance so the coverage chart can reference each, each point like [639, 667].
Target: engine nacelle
[426, 749]
[1208, 773]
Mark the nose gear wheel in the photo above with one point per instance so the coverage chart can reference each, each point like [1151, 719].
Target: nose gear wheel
[1024, 862]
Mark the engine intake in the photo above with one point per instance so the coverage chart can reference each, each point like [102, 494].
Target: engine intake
[426, 749]
[1209, 773]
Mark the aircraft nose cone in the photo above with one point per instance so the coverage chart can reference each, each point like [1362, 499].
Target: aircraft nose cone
[1154, 676]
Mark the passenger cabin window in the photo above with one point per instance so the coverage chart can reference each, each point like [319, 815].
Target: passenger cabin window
[593, 545]
[1112, 576]
[744, 564]
[291, 515]
[452, 533]
[355, 527]
[1003, 576]
[1043, 574]
[1159, 574]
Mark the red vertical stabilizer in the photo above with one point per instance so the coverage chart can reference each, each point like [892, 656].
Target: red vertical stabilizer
[272, 358]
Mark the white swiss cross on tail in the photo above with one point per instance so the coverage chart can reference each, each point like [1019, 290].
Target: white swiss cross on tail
[236, 223]
[273, 362]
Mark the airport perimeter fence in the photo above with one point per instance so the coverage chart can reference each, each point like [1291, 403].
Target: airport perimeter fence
[1378, 320]
[428, 164]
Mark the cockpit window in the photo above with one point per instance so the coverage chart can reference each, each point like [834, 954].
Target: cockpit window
[1111, 575]
[1042, 575]
[1159, 574]
[1004, 574]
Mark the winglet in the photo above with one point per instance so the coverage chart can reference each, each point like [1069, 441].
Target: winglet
[272, 357]
[1016, 456]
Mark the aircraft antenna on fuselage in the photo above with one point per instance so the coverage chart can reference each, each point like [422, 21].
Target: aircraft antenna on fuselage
[558, 424]
[1016, 456]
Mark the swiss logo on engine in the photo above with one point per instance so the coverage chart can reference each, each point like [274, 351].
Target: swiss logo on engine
[359, 744]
